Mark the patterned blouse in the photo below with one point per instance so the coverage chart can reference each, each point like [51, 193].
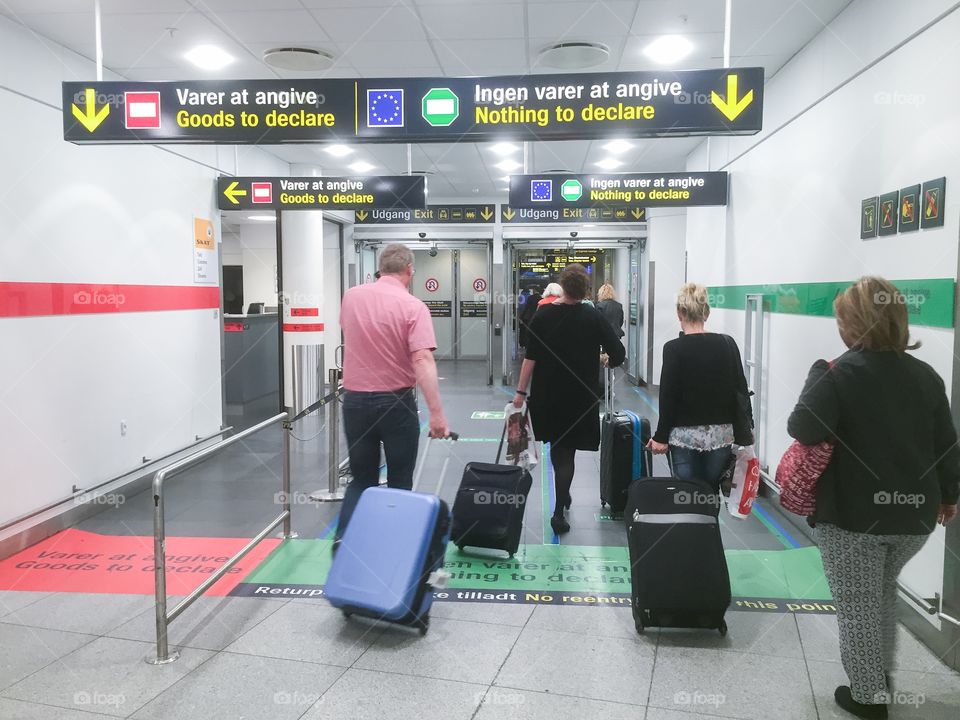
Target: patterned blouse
[702, 437]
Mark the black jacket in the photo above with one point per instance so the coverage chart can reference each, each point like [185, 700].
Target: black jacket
[701, 377]
[613, 312]
[895, 457]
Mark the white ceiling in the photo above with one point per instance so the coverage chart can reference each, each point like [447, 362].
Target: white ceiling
[146, 40]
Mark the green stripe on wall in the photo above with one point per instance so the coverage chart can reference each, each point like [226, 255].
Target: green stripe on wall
[929, 302]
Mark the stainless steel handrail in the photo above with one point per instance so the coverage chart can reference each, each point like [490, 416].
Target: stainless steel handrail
[163, 618]
[928, 607]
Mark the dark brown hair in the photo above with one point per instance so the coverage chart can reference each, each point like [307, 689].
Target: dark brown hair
[575, 282]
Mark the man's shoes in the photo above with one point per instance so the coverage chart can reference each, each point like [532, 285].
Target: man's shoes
[845, 700]
[559, 524]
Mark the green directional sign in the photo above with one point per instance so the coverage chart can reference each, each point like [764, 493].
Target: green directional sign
[440, 107]
[488, 415]
[571, 190]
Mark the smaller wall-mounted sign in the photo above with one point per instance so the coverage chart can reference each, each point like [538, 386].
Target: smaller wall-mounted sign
[909, 213]
[933, 197]
[480, 285]
[205, 266]
[887, 213]
[618, 190]
[868, 218]
[431, 285]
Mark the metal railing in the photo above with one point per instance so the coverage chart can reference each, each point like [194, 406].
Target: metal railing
[163, 617]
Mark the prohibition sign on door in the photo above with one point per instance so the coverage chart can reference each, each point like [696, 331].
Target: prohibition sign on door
[432, 284]
[480, 285]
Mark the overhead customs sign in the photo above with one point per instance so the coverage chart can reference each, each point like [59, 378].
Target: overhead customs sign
[522, 107]
[510, 215]
[618, 190]
[433, 214]
[320, 193]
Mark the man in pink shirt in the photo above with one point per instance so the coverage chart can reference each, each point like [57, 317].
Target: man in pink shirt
[388, 349]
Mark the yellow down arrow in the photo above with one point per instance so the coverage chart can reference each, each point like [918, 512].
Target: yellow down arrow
[508, 213]
[637, 213]
[486, 213]
[731, 107]
[232, 193]
[90, 117]
[362, 215]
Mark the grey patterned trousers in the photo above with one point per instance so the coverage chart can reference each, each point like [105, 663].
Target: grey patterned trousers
[862, 570]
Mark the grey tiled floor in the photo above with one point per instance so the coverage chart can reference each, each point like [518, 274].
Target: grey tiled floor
[251, 658]
[80, 656]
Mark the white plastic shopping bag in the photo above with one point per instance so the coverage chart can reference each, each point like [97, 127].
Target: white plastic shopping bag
[745, 484]
[521, 445]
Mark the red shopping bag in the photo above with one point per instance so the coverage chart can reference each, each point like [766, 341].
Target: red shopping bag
[745, 484]
[798, 473]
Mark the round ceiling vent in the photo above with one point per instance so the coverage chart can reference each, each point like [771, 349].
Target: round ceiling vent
[573, 55]
[298, 58]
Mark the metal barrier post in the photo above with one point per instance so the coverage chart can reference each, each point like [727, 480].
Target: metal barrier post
[285, 483]
[164, 655]
[333, 492]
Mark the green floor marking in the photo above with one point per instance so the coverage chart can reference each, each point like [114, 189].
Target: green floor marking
[779, 574]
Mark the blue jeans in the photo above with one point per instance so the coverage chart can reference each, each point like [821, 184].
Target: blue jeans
[369, 419]
[704, 465]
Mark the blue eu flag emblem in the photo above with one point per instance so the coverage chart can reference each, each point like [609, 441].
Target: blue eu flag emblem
[385, 108]
[541, 190]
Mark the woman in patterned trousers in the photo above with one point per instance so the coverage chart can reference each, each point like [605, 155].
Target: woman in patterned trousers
[894, 474]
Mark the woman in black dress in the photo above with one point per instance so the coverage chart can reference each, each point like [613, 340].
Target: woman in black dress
[564, 341]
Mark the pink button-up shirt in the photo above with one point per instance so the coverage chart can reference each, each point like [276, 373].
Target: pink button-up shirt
[382, 325]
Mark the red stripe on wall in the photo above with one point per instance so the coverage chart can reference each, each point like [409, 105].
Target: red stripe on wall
[26, 299]
[305, 312]
[303, 327]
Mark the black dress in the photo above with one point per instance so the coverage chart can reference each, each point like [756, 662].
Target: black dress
[565, 342]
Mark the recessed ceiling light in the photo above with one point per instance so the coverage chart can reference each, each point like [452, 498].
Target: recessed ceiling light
[668, 49]
[298, 58]
[617, 146]
[503, 148]
[361, 166]
[338, 150]
[262, 218]
[608, 163]
[508, 165]
[573, 55]
[505, 178]
[209, 57]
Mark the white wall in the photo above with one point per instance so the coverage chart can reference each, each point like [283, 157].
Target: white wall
[795, 193]
[666, 245]
[97, 214]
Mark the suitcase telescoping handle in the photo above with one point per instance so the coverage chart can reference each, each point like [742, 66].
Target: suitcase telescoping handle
[426, 449]
[608, 390]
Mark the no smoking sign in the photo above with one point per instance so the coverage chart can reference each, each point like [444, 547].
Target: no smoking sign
[432, 284]
[480, 285]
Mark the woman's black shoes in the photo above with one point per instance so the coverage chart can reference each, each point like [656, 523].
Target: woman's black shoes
[559, 524]
[845, 700]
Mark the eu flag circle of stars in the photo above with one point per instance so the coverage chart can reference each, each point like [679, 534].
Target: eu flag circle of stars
[385, 108]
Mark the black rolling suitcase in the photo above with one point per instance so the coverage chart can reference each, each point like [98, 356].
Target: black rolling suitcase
[624, 456]
[488, 510]
[678, 568]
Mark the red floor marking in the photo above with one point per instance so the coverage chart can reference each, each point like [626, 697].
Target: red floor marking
[78, 561]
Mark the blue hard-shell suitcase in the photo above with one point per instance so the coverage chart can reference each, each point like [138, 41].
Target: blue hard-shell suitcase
[395, 540]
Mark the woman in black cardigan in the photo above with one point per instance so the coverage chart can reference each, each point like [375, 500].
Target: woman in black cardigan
[894, 474]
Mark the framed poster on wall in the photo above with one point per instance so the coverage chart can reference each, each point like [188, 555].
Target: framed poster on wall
[868, 218]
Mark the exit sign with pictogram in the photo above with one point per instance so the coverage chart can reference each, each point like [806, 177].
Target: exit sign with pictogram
[440, 107]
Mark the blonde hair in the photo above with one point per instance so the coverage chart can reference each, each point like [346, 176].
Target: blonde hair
[606, 292]
[692, 303]
[553, 290]
[872, 315]
[395, 258]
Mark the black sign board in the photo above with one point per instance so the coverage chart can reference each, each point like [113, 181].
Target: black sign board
[550, 262]
[909, 212]
[439, 308]
[868, 218]
[320, 193]
[523, 215]
[932, 199]
[522, 107]
[887, 213]
[433, 214]
[618, 190]
[473, 309]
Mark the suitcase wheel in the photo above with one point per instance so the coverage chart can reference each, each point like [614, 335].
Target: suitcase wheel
[723, 628]
[423, 624]
[460, 547]
[638, 621]
[347, 614]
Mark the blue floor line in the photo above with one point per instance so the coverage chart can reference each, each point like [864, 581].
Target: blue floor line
[766, 516]
[646, 399]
